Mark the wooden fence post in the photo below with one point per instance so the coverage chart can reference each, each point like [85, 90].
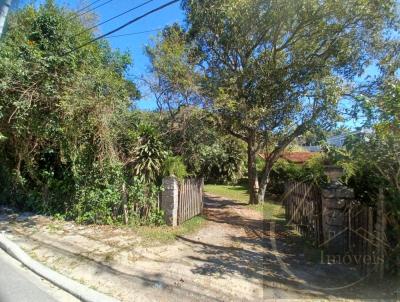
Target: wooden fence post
[380, 230]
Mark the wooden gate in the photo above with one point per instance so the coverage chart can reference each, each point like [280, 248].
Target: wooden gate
[364, 234]
[190, 201]
[303, 209]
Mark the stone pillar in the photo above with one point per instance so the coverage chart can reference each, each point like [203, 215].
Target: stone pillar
[169, 200]
[335, 198]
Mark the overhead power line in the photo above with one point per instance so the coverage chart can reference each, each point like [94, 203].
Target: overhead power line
[124, 25]
[87, 6]
[115, 17]
[135, 33]
[90, 10]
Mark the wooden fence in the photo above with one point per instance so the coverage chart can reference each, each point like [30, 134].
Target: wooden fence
[364, 227]
[303, 209]
[366, 236]
[190, 202]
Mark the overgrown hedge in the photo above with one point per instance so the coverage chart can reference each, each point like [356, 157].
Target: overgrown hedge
[69, 141]
[283, 171]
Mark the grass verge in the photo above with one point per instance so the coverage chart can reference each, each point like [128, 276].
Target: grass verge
[153, 235]
[235, 193]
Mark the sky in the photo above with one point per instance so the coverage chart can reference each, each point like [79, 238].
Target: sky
[135, 44]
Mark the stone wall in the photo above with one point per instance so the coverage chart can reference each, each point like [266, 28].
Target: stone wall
[335, 199]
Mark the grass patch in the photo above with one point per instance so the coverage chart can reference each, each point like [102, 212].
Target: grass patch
[153, 235]
[235, 193]
[270, 209]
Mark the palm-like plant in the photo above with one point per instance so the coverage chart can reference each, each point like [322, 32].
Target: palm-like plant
[149, 154]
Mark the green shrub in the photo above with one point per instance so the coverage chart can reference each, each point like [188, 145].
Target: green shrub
[174, 166]
[222, 162]
[283, 171]
[143, 202]
[102, 200]
[149, 153]
[98, 197]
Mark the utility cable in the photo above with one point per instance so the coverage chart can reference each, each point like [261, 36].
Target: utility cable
[124, 25]
[136, 33]
[113, 18]
[90, 10]
[87, 6]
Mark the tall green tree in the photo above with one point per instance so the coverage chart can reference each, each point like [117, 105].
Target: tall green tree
[174, 81]
[275, 68]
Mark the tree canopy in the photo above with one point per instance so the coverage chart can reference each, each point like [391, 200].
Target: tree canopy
[273, 69]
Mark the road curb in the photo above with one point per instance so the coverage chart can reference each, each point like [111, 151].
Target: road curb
[76, 289]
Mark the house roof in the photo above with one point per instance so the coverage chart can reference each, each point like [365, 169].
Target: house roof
[298, 157]
[295, 157]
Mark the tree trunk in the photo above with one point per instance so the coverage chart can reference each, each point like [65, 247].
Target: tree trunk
[252, 169]
[269, 163]
[264, 182]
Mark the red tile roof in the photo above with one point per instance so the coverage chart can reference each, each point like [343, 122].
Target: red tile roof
[298, 157]
[295, 157]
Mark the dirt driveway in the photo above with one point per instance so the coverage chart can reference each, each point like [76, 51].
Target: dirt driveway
[234, 257]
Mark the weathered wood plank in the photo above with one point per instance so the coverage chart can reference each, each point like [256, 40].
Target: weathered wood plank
[190, 199]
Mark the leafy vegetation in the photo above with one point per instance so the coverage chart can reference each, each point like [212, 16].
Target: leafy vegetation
[283, 171]
[192, 135]
[243, 78]
[149, 153]
[63, 114]
[174, 166]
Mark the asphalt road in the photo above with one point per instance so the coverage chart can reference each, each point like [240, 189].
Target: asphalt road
[18, 284]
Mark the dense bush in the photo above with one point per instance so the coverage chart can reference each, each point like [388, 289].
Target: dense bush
[375, 165]
[68, 140]
[149, 153]
[193, 134]
[223, 161]
[174, 166]
[143, 202]
[283, 171]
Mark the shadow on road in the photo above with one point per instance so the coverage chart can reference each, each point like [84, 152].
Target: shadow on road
[256, 257]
